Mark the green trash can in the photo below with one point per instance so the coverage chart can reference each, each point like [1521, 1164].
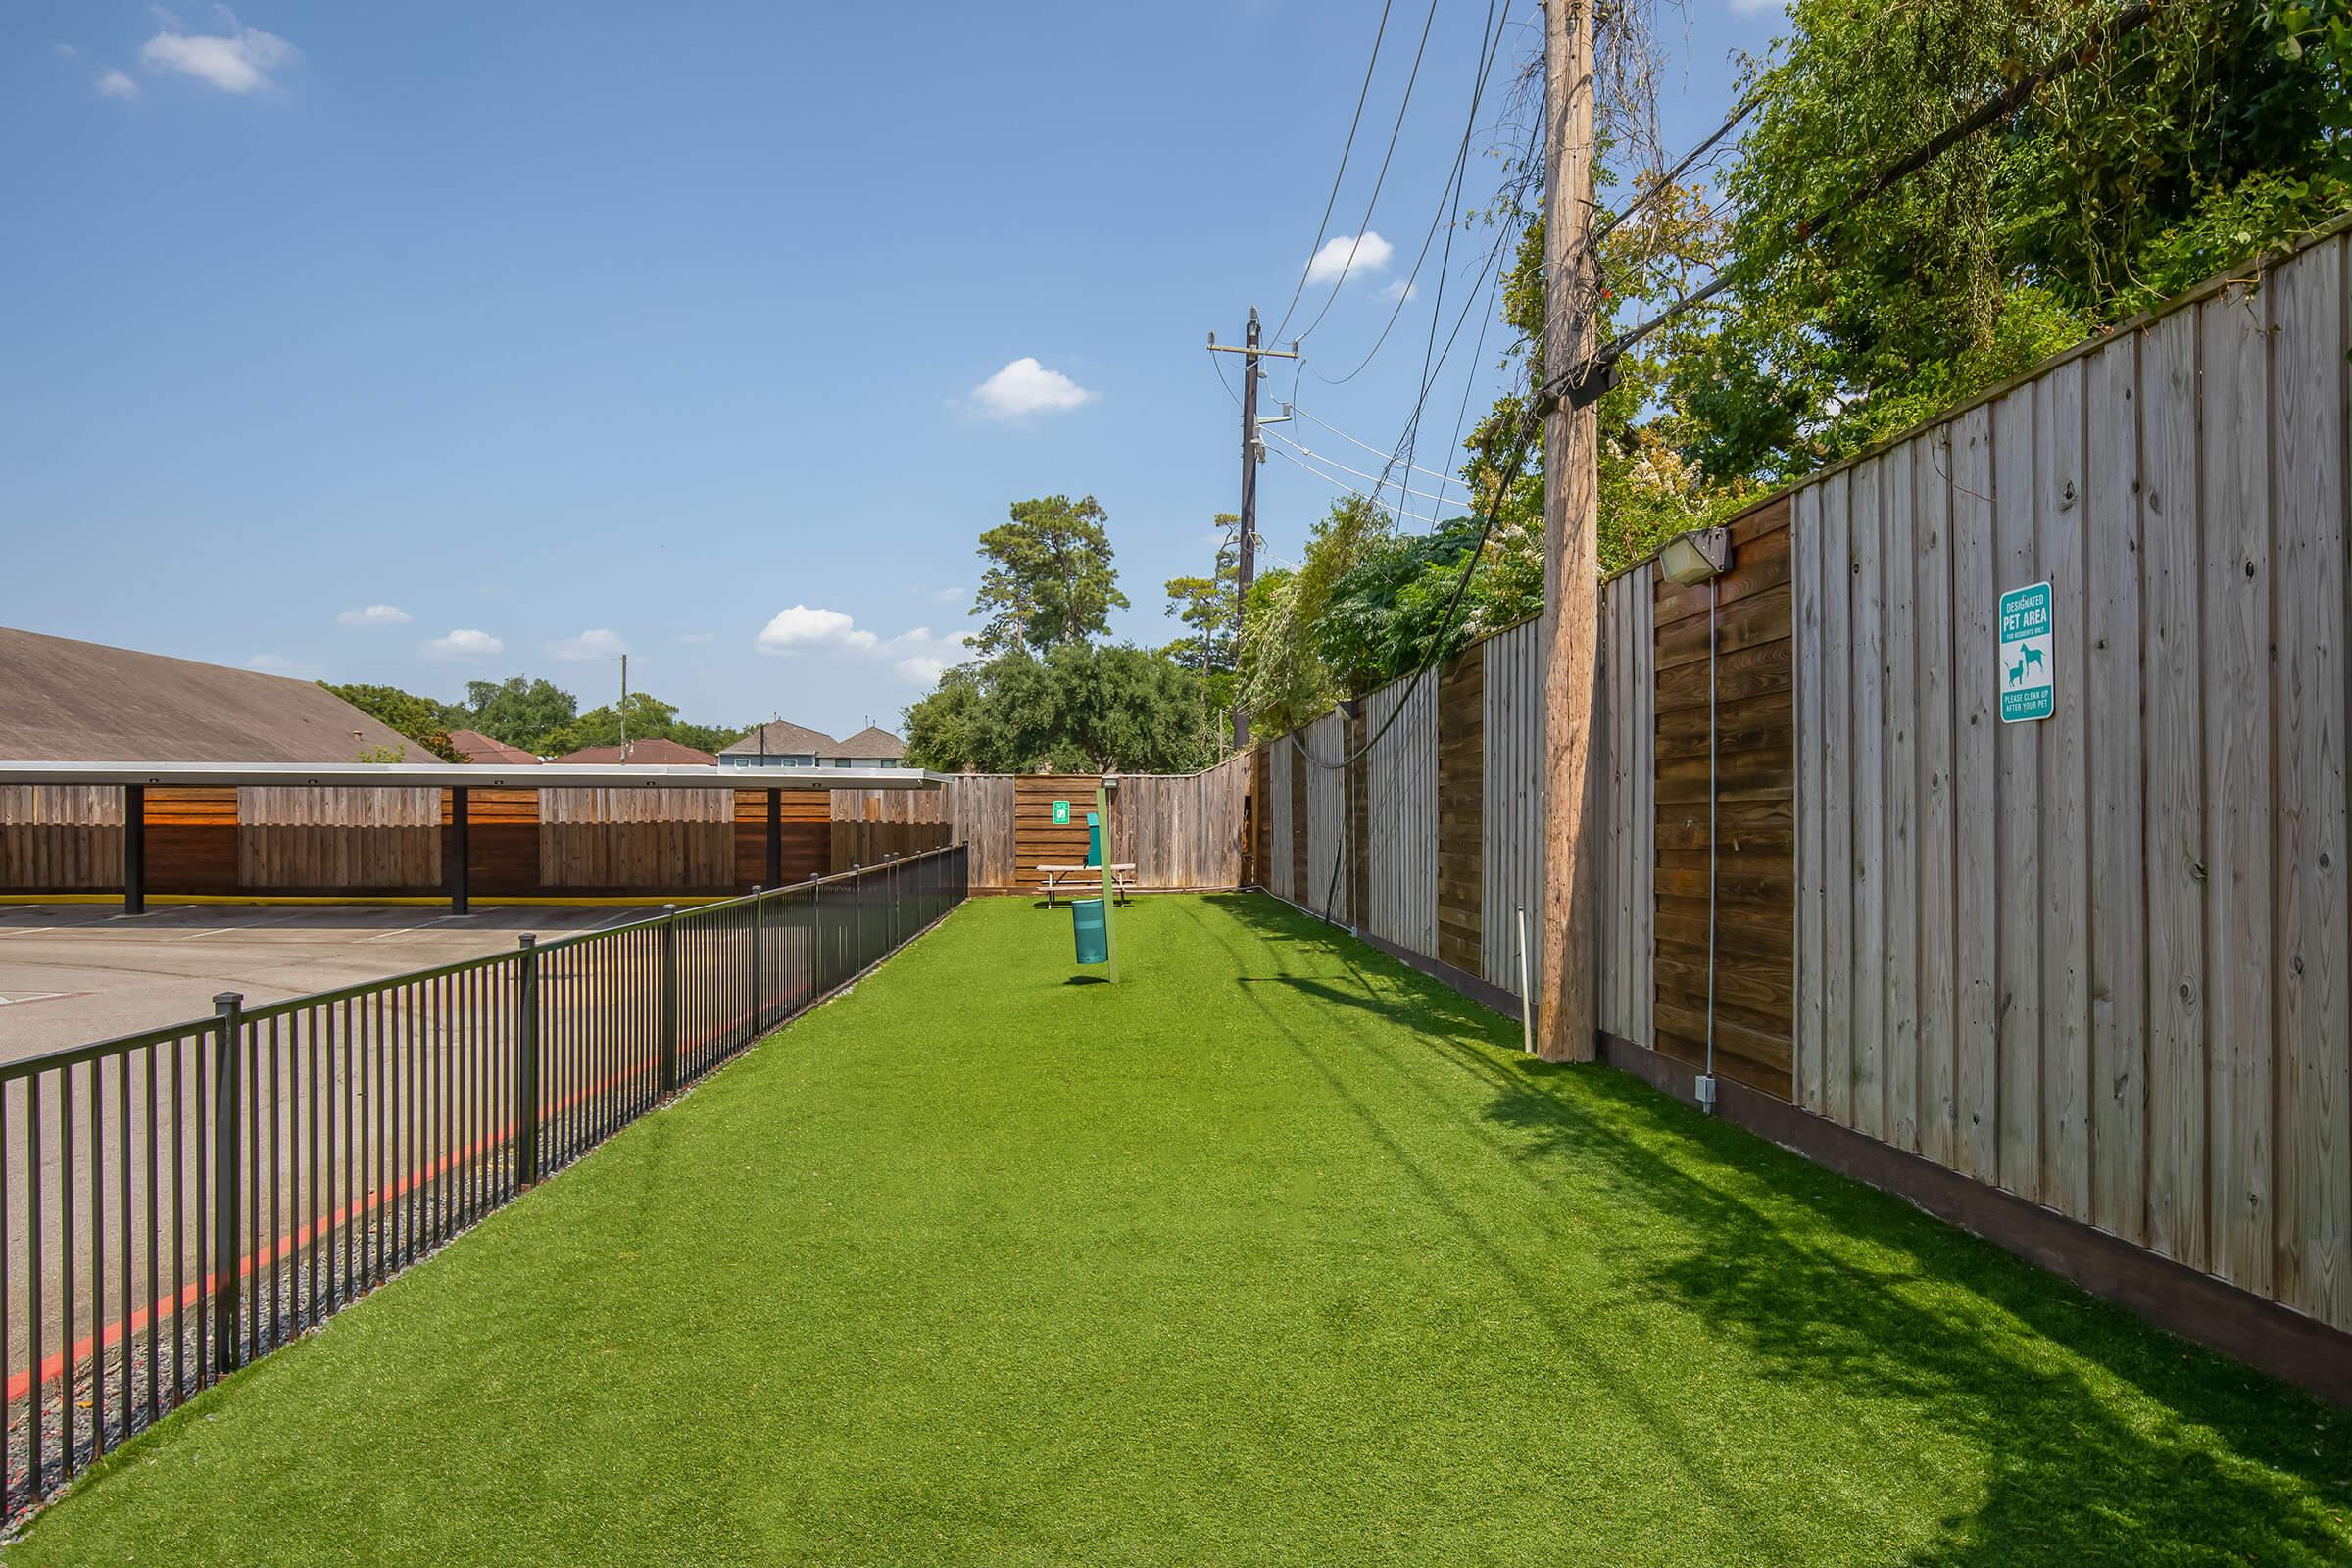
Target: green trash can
[1086, 922]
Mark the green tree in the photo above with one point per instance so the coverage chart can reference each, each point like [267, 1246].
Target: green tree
[1285, 681]
[1049, 579]
[1206, 607]
[2213, 131]
[420, 718]
[1079, 707]
[519, 710]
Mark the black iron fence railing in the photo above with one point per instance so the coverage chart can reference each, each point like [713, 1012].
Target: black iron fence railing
[181, 1200]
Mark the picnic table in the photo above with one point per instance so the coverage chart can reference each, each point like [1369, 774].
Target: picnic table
[1122, 880]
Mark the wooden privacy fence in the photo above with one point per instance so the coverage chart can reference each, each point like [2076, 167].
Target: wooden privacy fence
[1419, 820]
[1182, 831]
[2100, 960]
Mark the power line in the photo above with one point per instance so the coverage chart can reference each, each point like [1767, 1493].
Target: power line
[1666, 180]
[1378, 480]
[1379, 180]
[1345, 488]
[1445, 478]
[1491, 50]
[1346, 151]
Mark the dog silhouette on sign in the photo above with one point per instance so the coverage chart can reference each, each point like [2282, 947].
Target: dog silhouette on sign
[2032, 656]
[2017, 675]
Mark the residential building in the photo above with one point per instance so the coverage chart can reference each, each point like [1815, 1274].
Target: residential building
[481, 749]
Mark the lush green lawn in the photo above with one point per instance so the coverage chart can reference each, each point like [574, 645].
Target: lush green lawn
[1273, 1254]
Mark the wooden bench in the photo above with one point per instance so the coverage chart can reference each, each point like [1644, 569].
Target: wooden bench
[1061, 877]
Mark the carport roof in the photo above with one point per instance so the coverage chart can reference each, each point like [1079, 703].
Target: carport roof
[453, 775]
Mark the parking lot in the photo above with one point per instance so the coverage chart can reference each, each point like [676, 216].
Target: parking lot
[70, 973]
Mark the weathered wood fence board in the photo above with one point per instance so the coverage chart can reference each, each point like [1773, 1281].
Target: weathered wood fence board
[61, 837]
[1402, 825]
[307, 837]
[1511, 804]
[622, 839]
[2101, 960]
[1183, 830]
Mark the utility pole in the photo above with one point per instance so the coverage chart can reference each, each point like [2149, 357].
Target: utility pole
[1565, 1014]
[623, 710]
[1254, 452]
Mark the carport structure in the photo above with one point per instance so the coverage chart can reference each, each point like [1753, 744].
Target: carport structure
[449, 790]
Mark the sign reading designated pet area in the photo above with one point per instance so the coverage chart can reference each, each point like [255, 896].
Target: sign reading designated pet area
[2028, 683]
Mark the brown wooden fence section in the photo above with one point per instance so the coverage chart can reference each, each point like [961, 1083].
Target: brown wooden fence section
[66, 838]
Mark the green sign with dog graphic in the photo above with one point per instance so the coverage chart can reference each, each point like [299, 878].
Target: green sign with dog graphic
[2029, 685]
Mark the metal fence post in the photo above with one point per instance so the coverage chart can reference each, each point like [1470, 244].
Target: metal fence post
[228, 1029]
[670, 997]
[817, 940]
[526, 1066]
[758, 924]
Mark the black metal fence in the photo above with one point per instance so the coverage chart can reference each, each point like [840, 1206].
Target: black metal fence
[181, 1200]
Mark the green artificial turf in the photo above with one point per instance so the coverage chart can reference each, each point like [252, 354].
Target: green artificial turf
[1273, 1254]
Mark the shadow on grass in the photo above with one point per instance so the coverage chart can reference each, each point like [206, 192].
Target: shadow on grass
[1836, 1286]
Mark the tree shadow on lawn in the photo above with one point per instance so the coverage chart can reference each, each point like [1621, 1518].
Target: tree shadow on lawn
[1834, 1283]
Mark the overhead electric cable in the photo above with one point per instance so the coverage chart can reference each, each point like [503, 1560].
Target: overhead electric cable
[1346, 149]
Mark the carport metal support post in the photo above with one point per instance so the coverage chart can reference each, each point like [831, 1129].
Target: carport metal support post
[670, 999]
[526, 1064]
[229, 1028]
[461, 817]
[135, 849]
[758, 925]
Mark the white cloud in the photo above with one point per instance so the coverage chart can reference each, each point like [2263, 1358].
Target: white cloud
[696, 637]
[68, 51]
[274, 664]
[115, 84]
[1370, 251]
[1400, 288]
[947, 596]
[237, 61]
[918, 655]
[1750, 6]
[1025, 387]
[375, 616]
[464, 643]
[597, 642]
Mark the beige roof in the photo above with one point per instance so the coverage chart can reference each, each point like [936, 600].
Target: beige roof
[782, 740]
[871, 741]
[659, 751]
[67, 700]
[481, 748]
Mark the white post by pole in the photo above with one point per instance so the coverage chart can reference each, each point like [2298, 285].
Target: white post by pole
[1527, 998]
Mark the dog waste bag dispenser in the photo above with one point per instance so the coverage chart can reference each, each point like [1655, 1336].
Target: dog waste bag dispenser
[1086, 915]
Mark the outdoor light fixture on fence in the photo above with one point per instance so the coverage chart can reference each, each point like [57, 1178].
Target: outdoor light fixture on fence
[1696, 555]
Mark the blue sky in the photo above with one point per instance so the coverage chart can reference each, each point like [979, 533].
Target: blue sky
[433, 342]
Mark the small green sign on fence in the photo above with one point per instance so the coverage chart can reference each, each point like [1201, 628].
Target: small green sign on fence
[1061, 813]
[2029, 684]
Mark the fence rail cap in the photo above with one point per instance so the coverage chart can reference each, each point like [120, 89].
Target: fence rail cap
[456, 776]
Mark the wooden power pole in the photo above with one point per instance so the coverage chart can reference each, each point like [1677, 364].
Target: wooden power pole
[1565, 1018]
[1252, 454]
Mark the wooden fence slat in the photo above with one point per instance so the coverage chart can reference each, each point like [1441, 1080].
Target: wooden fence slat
[1900, 888]
[2018, 754]
[1838, 868]
[1931, 646]
[2237, 585]
[1869, 752]
[1811, 773]
[2112, 695]
[1977, 1015]
[2065, 981]
[2315, 1031]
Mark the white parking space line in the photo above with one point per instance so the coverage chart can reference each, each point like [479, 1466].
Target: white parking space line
[230, 930]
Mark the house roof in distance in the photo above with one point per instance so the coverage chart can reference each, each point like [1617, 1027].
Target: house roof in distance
[871, 741]
[61, 699]
[659, 751]
[780, 740]
[482, 750]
